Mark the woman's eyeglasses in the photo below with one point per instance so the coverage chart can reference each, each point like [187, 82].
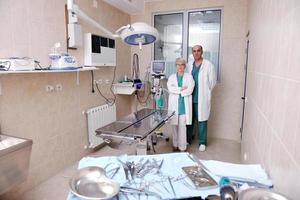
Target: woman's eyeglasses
[194, 51]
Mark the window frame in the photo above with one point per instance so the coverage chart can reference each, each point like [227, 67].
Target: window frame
[183, 29]
[185, 38]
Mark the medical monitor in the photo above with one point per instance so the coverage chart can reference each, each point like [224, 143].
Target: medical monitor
[158, 67]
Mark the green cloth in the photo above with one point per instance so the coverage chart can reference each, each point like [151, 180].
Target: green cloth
[160, 102]
[195, 74]
[181, 107]
[202, 128]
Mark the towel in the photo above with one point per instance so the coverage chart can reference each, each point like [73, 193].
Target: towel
[241, 172]
[171, 167]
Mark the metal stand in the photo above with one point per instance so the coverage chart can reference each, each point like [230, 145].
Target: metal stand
[141, 147]
[157, 92]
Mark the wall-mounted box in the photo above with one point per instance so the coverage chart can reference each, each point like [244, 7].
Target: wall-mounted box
[99, 51]
[74, 36]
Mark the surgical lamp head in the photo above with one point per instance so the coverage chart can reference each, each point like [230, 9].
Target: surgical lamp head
[138, 33]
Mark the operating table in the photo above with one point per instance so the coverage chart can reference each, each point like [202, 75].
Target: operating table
[136, 127]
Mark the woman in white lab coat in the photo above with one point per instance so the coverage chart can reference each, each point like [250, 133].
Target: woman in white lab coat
[180, 86]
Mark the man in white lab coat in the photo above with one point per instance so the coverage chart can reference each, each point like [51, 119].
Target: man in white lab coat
[203, 72]
[180, 86]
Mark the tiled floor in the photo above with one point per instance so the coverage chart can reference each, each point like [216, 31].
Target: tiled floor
[56, 188]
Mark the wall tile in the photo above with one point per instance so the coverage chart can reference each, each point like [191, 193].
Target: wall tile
[291, 116]
[273, 112]
[296, 151]
[294, 58]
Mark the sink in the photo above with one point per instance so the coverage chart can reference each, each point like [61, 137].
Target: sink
[14, 161]
[7, 142]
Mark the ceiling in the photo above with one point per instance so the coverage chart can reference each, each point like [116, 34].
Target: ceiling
[131, 7]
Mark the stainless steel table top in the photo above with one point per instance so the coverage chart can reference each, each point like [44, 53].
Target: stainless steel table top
[137, 125]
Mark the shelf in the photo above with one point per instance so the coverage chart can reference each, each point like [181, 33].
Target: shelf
[52, 71]
[49, 71]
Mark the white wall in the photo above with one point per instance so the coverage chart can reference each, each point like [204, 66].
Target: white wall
[272, 131]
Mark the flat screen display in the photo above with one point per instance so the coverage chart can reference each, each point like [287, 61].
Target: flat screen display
[158, 67]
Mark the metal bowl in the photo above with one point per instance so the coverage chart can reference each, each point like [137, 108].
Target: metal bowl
[91, 183]
[260, 194]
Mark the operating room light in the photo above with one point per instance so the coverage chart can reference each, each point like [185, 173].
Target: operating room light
[137, 34]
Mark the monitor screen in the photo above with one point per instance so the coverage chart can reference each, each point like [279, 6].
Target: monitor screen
[158, 67]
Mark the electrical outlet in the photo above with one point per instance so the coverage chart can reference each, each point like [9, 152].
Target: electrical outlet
[99, 81]
[58, 87]
[49, 88]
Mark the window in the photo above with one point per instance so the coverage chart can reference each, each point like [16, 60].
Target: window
[169, 46]
[180, 31]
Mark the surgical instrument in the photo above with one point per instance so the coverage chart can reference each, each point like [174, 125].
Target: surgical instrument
[173, 190]
[132, 190]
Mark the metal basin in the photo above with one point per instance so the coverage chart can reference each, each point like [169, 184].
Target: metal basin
[91, 183]
[7, 142]
[260, 194]
[14, 161]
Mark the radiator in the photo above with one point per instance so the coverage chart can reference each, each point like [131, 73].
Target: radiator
[98, 117]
